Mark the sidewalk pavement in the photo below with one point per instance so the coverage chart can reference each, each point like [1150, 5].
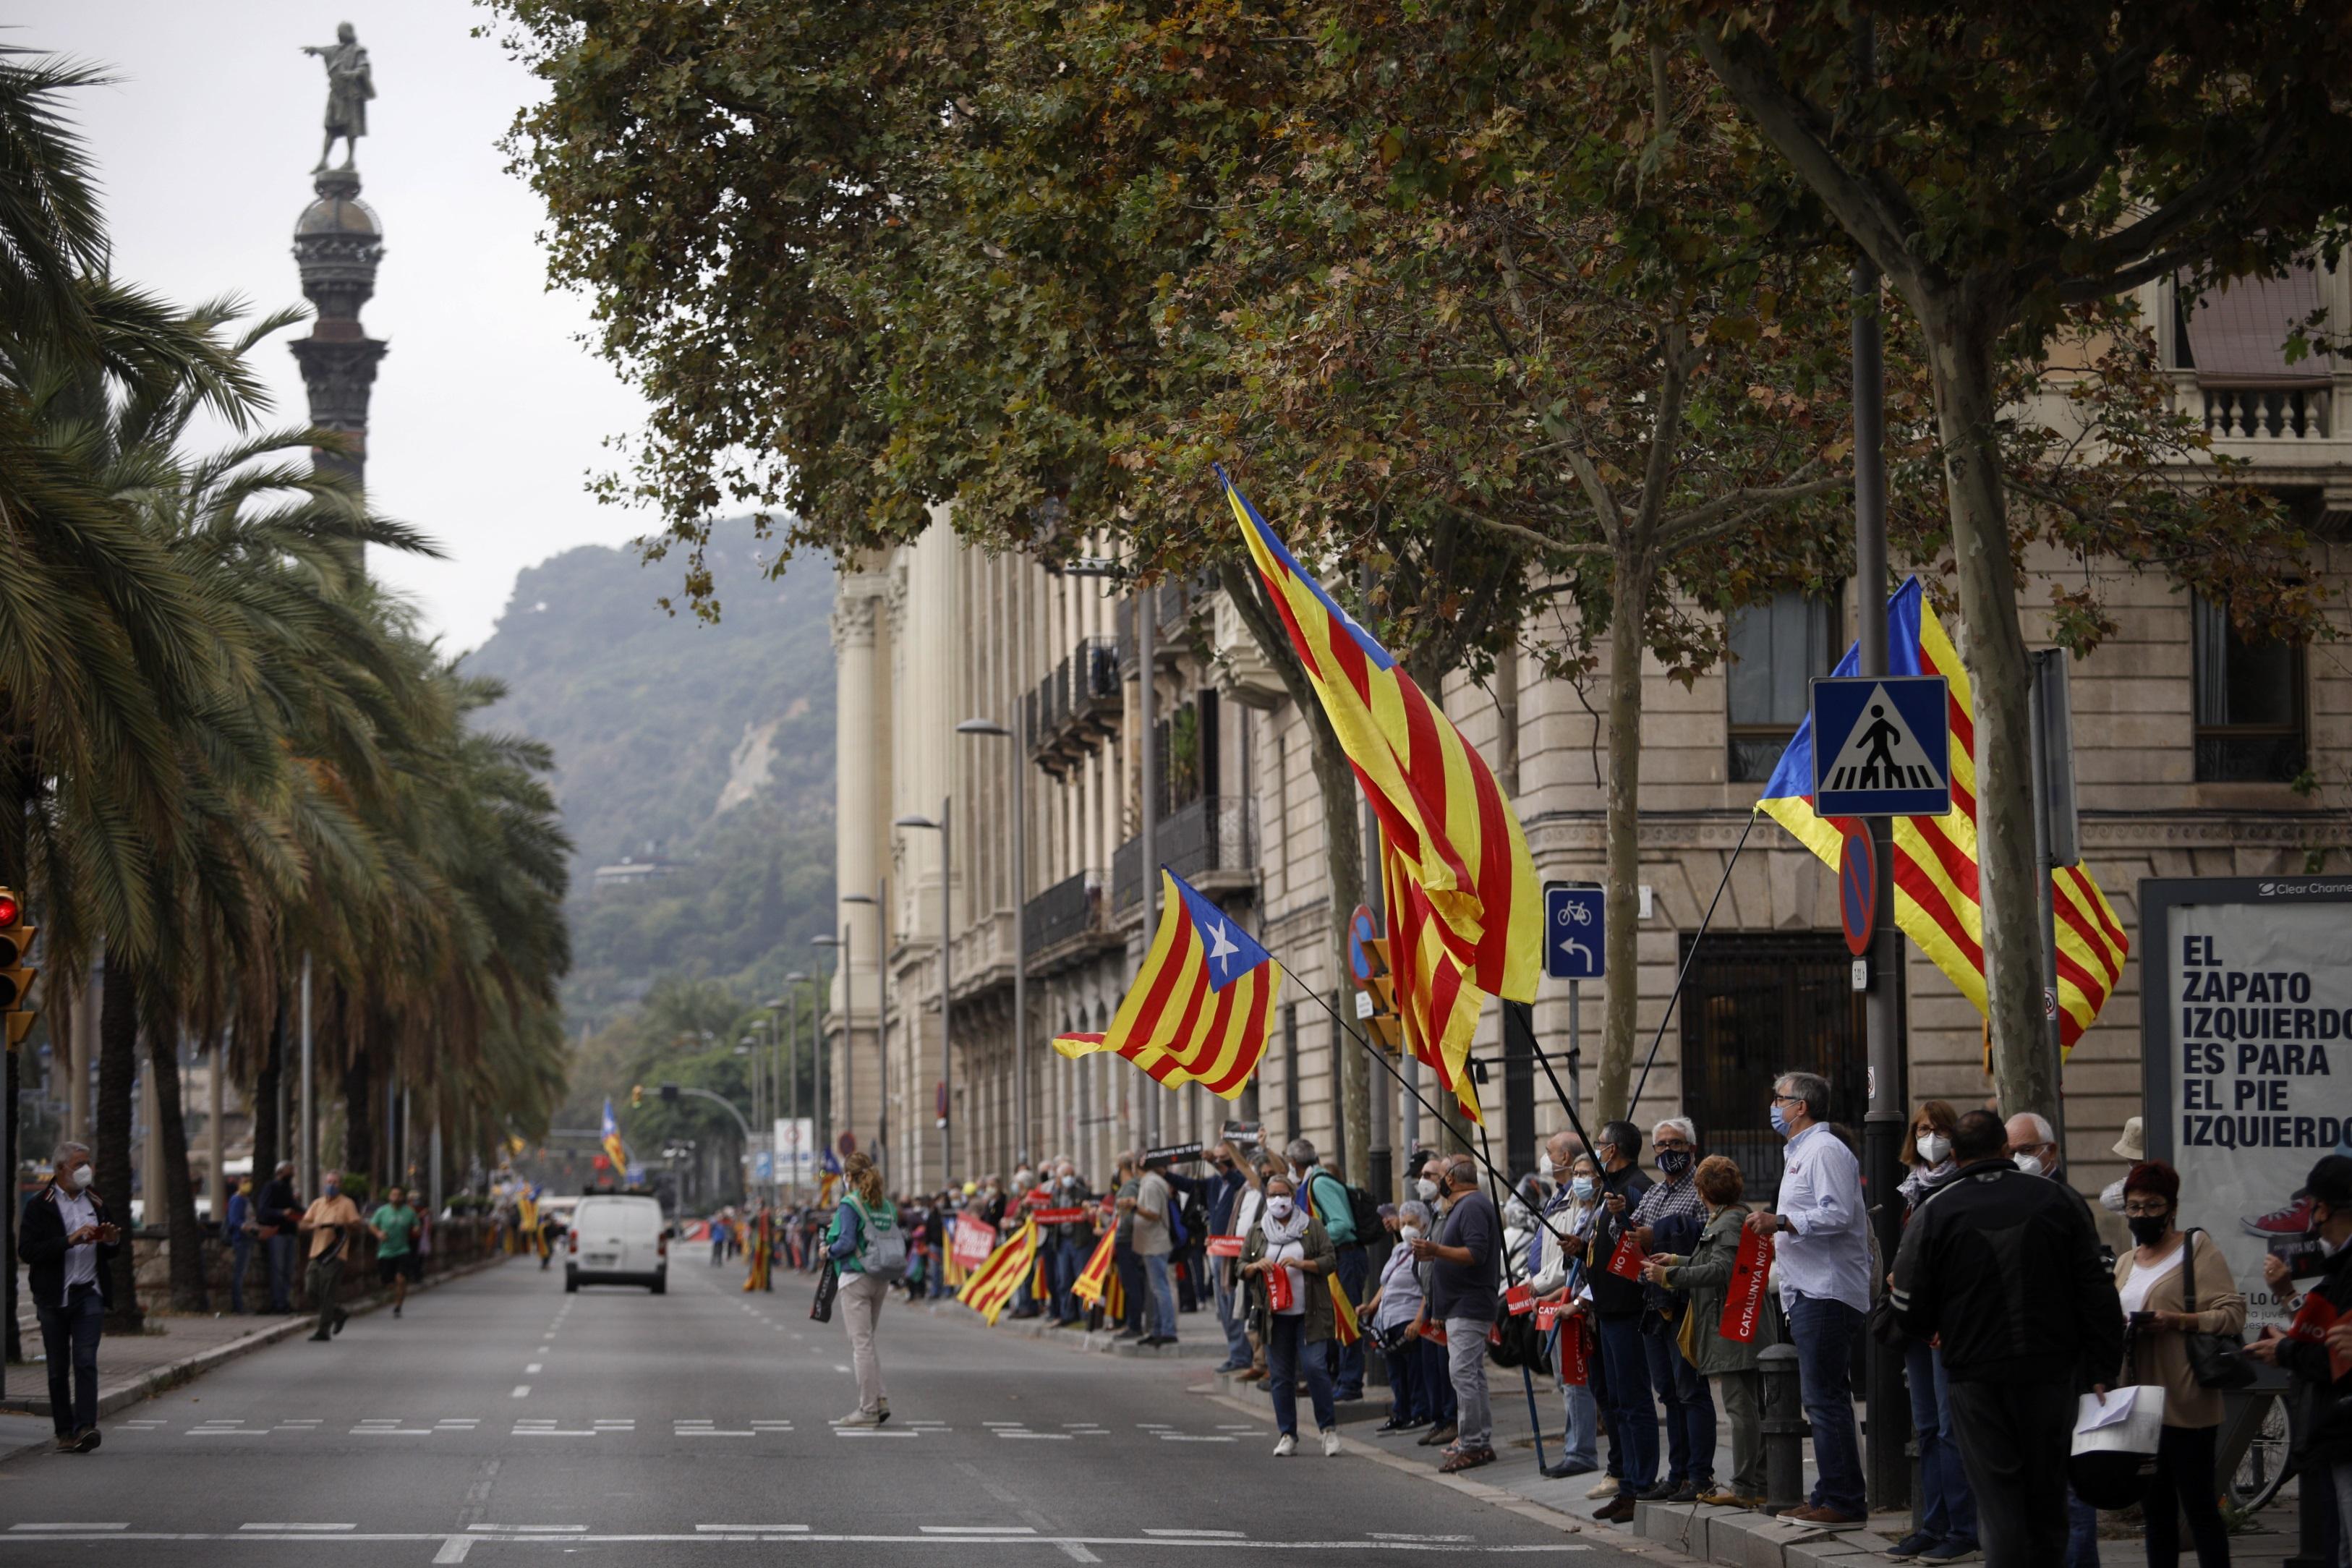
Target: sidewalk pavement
[1679, 1534]
[132, 1367]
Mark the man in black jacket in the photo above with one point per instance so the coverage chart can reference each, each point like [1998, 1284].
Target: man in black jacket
[278, 1211]
[1617, 1306]
[2323, 1428]
[2005, 1268]
[68, 1244]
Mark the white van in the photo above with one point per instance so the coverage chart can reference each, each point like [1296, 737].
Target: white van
[618, 1241]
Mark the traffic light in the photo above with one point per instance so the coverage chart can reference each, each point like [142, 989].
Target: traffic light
[636, 1095]
[15, 974]
[669, 1091]
[1376, 1003]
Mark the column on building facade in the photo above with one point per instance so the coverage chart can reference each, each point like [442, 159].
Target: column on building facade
[857, 785]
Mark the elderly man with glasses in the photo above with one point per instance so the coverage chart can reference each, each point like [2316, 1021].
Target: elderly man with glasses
[1669, 1218]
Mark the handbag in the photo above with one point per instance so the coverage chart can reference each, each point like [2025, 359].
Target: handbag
[828, 1286]
[2218, 1360]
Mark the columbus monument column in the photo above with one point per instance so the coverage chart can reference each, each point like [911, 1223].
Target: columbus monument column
[337, 242]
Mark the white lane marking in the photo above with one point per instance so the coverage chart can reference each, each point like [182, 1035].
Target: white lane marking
[522, 1391]
[390, 1432]
[772, 1426]
[836, 1365]
[1069, 1544]
[1152, 1426]
[1004, 1423]
[1189, 1437]
[978, 1528]
[453, 1549]
[543, 1348]
[1046, 1436]
[533, 1368]
[876, 1432]
[1385, 1535]
[724, 1529]
[318, 1527]
[1203, 1534]
[529, 1529]
[67, 1524]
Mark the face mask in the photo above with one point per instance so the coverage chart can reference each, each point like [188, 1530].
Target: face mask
[1780, 1119]
[1426, 1190]
[1544, 1168]
[1583, 1187]
[83, 1175]
[1934, 1147]
[2029, 1164]
[2148, 1229]
[1410, 1232]
[1674, 1162]
[1278, 1207]
[334, 1187]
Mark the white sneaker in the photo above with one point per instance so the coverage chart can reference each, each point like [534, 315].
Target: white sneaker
[1330, 1442]
[1286, 1447]
[861, 1418]
[1608, 1487]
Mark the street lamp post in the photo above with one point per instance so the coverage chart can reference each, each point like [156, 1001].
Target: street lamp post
[799, 984]
[824, 1132]
[1020, 919]
[947, 936]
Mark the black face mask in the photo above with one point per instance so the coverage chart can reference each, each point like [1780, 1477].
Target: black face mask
[1674, 1162]
[2148, 1229]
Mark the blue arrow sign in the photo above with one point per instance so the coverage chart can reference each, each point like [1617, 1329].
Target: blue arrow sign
[1575, 932]
[1882, 746]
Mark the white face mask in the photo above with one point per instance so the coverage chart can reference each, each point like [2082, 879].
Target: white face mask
[1545, 1168]
[1279, 1205]
[1426, 1190]
[2029, 1164]
[83, 1176]
[1934, 1147]
[1410, 1232]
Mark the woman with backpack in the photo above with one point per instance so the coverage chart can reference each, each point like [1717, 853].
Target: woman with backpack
[869, 1247]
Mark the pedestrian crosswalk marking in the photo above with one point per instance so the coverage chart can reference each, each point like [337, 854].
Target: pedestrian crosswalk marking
[68, 1524]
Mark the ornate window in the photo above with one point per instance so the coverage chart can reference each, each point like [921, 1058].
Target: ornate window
[2249, 702]
[1777, 645]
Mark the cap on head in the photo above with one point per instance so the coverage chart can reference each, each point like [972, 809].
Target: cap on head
[2330, 1181]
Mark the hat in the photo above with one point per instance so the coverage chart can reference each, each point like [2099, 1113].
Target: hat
[2130, 1146]
[1388, 1211]
[2330, 1181]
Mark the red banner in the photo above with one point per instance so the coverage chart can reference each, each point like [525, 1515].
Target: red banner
[1519, 1299]
[1278, 1289]
[1627, 1260]
[974, 1240]
[1575, 1355]
[1546, 1314]
[1225, 1246]
[1434, 1332]
[1062, 1216]
[2319, 1315]
[1743, 1299]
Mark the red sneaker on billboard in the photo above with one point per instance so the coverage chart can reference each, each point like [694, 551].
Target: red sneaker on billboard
[2280, 1224]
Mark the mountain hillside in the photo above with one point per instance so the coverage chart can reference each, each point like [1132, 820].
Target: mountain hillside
[708, 749]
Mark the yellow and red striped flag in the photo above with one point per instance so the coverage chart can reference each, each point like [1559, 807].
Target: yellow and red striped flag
[991, 1285]
[1447, 832]
[1935, 876]
[1097, 1276]
[1344, 1325]
[1200, 1005]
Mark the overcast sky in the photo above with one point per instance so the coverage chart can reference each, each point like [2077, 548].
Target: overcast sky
[488, 411]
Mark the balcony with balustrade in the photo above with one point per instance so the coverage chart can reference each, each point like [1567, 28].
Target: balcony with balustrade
[1211, 842]
[1067, 924]
[1076, 707]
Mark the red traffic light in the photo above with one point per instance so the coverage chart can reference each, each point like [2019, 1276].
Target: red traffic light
[10, 909]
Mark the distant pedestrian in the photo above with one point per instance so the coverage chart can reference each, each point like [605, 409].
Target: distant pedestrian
[331, 1222]
[1948, 1511]
[718, 1238]
[68, 1245]
[1132, 1290]
[2154, 1280]
[1670, 1218]
[1706, 1274]
[1220, 1196]
[1616, 1310]
[238, 1229]
[1155, 1243]
[1290, 1258]
[1395, 1305]
[2034, 1149]
[1325, 1192]
[397, 1262]
[278, 1213]
[1556, 1268]
[2005, 1269]
[1821, 1263]
[1467, 1255]
[856, 1243]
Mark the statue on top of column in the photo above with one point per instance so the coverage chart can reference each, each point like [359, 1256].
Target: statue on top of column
[350, 85]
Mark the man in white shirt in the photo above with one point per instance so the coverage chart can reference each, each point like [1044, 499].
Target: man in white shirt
[1821, 1263]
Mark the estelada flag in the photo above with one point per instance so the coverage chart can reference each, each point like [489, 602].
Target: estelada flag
[1200, 1005]
[1935, 879]
[1743, 1297]
[1474, 924]
[991, 1285]
[1344, 1325]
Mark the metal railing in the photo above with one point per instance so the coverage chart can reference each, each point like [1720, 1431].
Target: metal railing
[1212, 838]
[1076, 705]
[1072, 908]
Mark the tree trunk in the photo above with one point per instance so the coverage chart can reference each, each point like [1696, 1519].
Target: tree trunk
[118, 1068]
[1961, 338]
[266, 1130]
[179, 1194]
[1343, 844]
[1630, 583]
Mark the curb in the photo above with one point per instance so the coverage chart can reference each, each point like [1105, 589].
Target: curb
[172, 1375]
[1090, 1341]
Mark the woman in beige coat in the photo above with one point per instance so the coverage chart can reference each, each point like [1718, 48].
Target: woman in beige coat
[2155, 1279]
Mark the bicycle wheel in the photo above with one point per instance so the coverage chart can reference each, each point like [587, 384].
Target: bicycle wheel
[2264, 1467]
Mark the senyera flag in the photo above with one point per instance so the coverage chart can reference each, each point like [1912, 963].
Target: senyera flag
[1202, 1003]
[992, 1284]
[1462, 887]
[615, 1149]
[1935, 876]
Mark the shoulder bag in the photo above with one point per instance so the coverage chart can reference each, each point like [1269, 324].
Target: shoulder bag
[2218, 1360]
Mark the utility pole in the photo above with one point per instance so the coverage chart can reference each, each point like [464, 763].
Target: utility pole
[1147, 656]
[309, 1140]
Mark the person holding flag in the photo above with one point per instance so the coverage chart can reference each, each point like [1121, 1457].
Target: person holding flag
[1286, 1263]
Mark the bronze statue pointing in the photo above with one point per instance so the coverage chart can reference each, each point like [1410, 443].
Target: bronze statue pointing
[350, 85]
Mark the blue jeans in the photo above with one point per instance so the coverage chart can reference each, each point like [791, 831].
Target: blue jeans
[1583, 1443]
[1690, 1409]
[1946, 1510]
[1407, 1403]
[1348, 1360]
[1823, 1330]
[1234, 1320]
[70, 1339]
[1285, 1366]
[1163, 1294]
[2082, 1533]
[1632, 1419]
[1437, 1383]
[1069, 1262]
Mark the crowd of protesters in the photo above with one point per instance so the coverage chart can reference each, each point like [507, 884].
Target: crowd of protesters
[1610, 1266]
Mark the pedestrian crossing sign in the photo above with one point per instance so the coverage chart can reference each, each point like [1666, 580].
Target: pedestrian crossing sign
[1882, 746]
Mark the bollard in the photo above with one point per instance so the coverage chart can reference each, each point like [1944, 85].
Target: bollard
[1784, 1426]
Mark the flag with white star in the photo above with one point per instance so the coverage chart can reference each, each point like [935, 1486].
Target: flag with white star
[1200, 1005]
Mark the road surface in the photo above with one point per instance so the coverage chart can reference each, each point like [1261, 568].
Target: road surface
[503, 1423]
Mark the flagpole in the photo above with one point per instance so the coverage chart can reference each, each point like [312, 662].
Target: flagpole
[1684, 973]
